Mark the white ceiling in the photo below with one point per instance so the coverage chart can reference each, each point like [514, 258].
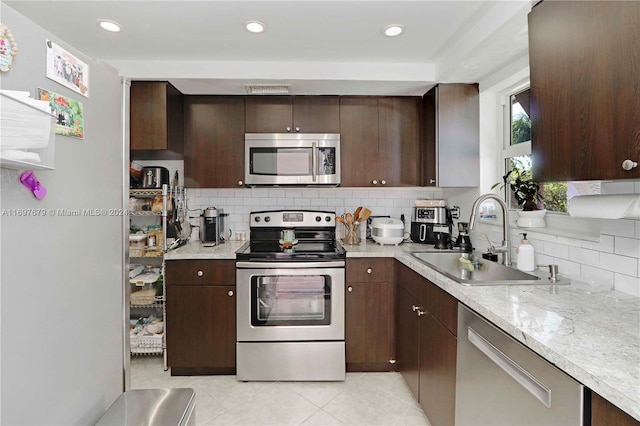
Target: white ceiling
[316, 47]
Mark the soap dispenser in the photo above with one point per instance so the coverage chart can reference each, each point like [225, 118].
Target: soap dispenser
[526, 260]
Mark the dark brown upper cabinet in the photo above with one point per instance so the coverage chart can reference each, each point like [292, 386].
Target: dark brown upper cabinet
[451, 143]
[156, 121]
[379, 141]
[214, 141]
[292, 114]
[585, 98]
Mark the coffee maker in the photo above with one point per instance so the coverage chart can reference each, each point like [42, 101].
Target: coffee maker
[211, 227]
[463, 242]
[431, 225]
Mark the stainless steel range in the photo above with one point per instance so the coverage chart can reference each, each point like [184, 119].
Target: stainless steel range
[290, 298]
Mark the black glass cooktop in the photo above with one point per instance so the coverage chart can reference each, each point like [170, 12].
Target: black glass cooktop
[301, 251]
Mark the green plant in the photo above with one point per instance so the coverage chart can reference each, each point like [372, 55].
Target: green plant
[521, 129]
[524, 189]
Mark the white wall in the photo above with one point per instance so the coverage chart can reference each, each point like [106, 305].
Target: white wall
[61, 278]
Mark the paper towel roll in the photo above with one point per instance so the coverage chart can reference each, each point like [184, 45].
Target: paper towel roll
[606, 206]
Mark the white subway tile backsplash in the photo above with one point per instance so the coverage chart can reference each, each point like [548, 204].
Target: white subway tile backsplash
[622, 264]
[605, 244]
[627, 246]
[627, 284]
[566, 267]
[555, 250]
[619, 227]
[597, 275]
[580, 255]
[304, 202]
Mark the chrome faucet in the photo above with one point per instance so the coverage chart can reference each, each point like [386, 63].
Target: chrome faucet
[506, 246]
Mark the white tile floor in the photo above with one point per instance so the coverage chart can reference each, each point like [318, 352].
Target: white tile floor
[363, 399]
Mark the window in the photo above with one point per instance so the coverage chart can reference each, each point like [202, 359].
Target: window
[517, 156]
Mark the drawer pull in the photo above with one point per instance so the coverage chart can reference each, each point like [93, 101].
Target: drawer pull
[369, 270]
[350, 289]
[200, 273]
[418, 310]
[230, 293]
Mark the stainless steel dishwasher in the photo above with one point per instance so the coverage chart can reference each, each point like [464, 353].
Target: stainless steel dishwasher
[499, 381]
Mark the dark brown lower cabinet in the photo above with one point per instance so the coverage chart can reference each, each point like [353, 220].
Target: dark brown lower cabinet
[408, 341]
[604, 413]
[437, 371]
[426, 344]
[369, 326]
[201, 317]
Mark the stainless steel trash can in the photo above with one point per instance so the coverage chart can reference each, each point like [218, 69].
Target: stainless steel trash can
[166, 407]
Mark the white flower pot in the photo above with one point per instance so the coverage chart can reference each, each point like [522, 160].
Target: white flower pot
[531, 219]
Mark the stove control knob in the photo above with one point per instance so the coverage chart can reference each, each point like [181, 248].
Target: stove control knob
[327, 218]
[257, 219]
[318, 218]
[267, 219]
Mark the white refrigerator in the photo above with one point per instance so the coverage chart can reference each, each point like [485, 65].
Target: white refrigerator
[63, 354]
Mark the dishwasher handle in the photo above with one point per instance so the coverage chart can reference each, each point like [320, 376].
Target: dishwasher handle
[513, 369]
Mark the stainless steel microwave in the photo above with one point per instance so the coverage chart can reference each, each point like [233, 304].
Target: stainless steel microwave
[304, 159]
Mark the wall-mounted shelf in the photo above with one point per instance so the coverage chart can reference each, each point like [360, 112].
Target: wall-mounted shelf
[28, 132]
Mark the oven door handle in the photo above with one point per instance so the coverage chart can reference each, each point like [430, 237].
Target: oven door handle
[314, 160]
[290, 265]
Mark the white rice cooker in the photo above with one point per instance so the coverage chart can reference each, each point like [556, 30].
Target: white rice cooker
[387, 230]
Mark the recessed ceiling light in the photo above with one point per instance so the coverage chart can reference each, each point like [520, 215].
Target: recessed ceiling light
[105, 24]
[254, 26]
[393, 30]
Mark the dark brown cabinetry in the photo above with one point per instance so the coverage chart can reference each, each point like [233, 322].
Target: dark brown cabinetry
[156, 121]
[291, 114]
[426, 343]
[604, 413]
[379, 140]
[585, 97]
[451, 143]
[369, 314]
[214, 141]
[201, 316]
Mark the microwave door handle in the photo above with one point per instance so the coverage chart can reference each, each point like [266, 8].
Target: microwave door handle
[314, 160]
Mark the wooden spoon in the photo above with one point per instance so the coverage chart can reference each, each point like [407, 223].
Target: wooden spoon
[364, 215]
[339, 219]
[349, 218]
[356, 214]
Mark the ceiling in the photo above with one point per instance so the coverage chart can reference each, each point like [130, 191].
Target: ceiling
[315, 47]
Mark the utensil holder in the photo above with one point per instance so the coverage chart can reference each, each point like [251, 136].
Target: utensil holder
[351, 234]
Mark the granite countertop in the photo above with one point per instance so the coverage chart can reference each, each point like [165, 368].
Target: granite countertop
[593, 337]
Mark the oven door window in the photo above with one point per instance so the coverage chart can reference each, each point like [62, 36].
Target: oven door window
[281, 161]
[291, 300]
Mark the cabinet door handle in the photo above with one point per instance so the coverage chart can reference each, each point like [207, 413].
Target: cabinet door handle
[629, 164]
[432, 181]
[369, 270]
[297, 129]
[349, 289]
[200, 273]
[230, 293]
[288, 129]
[375, 181]
[384, 182]
[418, 310]
[240, 183]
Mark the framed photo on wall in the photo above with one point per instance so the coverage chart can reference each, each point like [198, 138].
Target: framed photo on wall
[67, 112]
[66, 69]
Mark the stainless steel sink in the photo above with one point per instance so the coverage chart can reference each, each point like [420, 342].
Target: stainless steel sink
[474, 271]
